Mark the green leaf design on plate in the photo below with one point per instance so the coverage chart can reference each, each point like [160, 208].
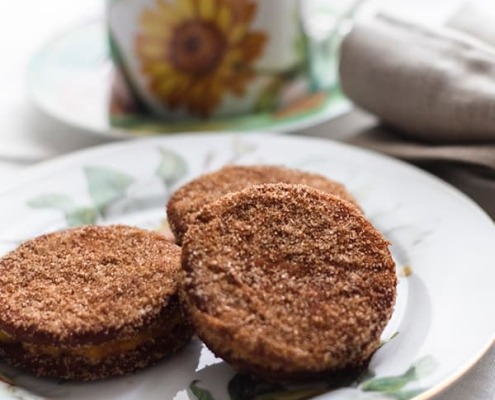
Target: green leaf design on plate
[425, 366]
[406, 394]
[200, 393]
[385, 341]
[81, 216]
[56, 201]
[106, 185]
[172, 167]
[74, 215]
[392, 384]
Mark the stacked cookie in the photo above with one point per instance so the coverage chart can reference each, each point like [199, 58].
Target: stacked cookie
[280, 274]
[284, 277]
[91, 302]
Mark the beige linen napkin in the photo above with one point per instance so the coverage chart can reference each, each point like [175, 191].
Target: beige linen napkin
[479, 156]
[433, 91]
[433, 85]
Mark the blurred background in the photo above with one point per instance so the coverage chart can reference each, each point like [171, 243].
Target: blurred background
[26, 135]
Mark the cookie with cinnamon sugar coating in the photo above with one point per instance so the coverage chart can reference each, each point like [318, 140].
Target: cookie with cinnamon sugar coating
[91, 302]
[186, 202]
[287, 282]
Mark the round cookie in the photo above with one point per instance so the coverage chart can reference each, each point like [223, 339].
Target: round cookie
[91, 302]
[287, 282]
[188, 199]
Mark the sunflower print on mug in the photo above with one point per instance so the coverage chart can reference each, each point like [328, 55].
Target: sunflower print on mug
[193, 52]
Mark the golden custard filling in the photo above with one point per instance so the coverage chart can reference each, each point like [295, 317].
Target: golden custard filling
[98, 352]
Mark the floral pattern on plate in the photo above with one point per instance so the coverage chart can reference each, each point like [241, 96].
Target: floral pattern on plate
[130, 183]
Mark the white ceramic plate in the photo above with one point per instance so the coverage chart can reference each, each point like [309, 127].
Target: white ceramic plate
[70, 79]
[442, 243]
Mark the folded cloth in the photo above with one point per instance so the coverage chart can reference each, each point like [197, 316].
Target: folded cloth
[475, 20]
[479, 157]
[435, 85]
[471, 168]
[433, 93]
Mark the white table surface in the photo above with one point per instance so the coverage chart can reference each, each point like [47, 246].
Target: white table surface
[28, 136]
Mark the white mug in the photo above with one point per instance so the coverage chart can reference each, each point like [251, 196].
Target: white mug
[183, 59]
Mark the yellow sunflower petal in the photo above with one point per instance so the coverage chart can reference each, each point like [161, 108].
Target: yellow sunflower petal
[197, 91]
[177, 97]
[234, 80]
[164, 87]
[159, 70]
[155, 29]
[237, 33]
[150, 49]
[199, 99]
[230, 63]
[182, 81]
[185, 9]
[215, 90]
[207, 9]
[252, 46]
[249, 12]
[165, 13]
[164, 6]
[173, 91]
[224, 18]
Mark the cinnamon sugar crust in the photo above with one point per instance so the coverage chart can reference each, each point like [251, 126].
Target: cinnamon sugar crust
[86, 285]
[91, 302]
[287, 282]
[186, 202]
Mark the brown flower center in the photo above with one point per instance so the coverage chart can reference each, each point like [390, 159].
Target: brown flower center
[197, 47]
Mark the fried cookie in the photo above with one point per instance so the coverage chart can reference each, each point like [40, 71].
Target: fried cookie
[91, 302]
[287, 282]
[186, 202]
